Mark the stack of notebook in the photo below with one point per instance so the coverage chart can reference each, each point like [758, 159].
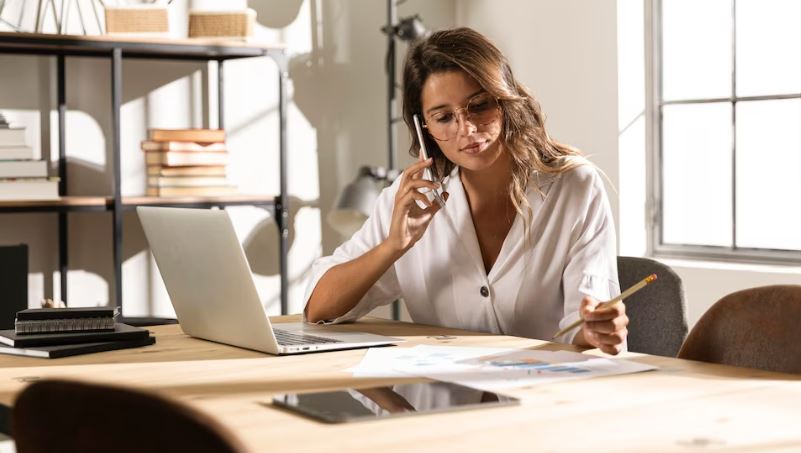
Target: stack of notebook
[23, 176]
[63, 332]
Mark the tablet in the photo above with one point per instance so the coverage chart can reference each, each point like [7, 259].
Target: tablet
[391, 401]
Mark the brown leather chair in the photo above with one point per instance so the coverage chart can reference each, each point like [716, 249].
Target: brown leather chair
[69, 416]
[755, 328]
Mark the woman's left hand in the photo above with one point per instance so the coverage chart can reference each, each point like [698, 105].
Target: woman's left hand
[604, 328]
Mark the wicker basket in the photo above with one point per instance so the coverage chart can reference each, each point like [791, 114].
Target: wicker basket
[137, 19]
[221, 24]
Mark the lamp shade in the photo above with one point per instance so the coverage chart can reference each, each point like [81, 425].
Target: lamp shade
[355, 203]
[411, 29]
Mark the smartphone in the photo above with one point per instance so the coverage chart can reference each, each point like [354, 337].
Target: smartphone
[392, 401]
[435, 194]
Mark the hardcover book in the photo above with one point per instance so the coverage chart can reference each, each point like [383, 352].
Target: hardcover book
[23, 169]
[186, 181]
[190, 191]
[217, 147]
[180, 158]
[120, 332]
[66, 350]
[29, 189]
[187, 135]
[206, 170]
[12, 136]
[37, 314]
[16, 152]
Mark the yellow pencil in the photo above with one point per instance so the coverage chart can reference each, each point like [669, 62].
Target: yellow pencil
[636, 287]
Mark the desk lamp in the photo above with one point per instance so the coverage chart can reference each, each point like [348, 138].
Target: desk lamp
[355, 203]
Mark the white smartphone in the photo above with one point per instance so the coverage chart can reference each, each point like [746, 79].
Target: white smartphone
[435, 194]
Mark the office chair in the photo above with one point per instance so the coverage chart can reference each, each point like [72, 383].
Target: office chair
[755, 328]
[70, 416]
[657, 313]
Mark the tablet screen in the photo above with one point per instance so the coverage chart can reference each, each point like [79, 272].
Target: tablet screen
[391, 401]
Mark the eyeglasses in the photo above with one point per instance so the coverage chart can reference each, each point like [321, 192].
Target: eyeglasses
[481, 109]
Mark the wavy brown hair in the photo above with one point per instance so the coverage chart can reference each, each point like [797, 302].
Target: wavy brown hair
[523, 132]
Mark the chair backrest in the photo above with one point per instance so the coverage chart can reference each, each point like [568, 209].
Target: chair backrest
[755, 328]
[69, 416]
[657, 313]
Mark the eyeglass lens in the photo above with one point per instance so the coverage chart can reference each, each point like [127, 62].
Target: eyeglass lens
[480, 110]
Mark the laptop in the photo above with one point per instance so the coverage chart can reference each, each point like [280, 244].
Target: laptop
[211, 287]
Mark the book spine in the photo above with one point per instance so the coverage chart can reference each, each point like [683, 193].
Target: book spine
[28, 189]
[187, 135]
[16, 153]
[12, 137]
[64, 325]
[76, 349]
[26, 341]
[183, 158]
[216, 147]
[186, 181]
[100, 347]
[36, 314]
[23, 169]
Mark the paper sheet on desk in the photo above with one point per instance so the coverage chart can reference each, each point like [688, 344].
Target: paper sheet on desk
[416, 361]
[490, 368]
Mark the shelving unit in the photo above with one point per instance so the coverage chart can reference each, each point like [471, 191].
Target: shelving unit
[62, 46]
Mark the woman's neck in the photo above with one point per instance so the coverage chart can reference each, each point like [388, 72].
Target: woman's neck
[489, 186]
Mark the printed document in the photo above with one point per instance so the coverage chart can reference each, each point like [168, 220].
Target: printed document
[490, 368]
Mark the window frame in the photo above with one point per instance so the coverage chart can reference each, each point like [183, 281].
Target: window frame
[654, 104]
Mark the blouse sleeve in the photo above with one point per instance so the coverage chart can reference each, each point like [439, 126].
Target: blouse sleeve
[591, 266]
[374, 230]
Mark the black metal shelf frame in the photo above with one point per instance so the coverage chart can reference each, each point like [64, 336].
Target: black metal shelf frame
[61, 47]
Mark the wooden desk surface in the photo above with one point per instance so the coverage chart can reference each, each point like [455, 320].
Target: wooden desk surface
[685, 406]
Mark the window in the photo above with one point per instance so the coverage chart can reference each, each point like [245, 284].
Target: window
[727, 129]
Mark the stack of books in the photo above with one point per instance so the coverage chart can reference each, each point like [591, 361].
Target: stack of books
[186, 162]
[22, 176]
[63, 332]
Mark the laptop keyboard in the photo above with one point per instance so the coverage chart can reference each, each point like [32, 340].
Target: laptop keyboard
[291, 338]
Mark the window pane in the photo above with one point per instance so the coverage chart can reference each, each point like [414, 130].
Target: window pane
[769, 174]
[768, 47]
[696, 49]
[696, 172]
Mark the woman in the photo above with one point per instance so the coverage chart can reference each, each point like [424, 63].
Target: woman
[525, 243]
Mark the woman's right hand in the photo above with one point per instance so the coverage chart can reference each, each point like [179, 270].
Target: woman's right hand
[409, 221]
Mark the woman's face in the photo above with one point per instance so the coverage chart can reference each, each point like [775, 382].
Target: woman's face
[468, 140]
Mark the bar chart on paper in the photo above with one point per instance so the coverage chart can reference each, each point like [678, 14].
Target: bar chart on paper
[525, 362]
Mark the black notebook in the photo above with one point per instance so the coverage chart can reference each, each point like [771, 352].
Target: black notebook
[120, 332]
[66, 350]
[38, 314]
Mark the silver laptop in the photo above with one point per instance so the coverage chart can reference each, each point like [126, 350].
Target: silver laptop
[212, 290]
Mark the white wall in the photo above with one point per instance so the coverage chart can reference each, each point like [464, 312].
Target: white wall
[565, 52]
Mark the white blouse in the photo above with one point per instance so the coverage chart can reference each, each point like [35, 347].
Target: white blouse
[533, 289]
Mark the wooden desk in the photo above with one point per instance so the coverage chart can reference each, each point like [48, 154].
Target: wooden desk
[683, 407]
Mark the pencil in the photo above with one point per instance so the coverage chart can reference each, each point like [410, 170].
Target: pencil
[634, 288]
